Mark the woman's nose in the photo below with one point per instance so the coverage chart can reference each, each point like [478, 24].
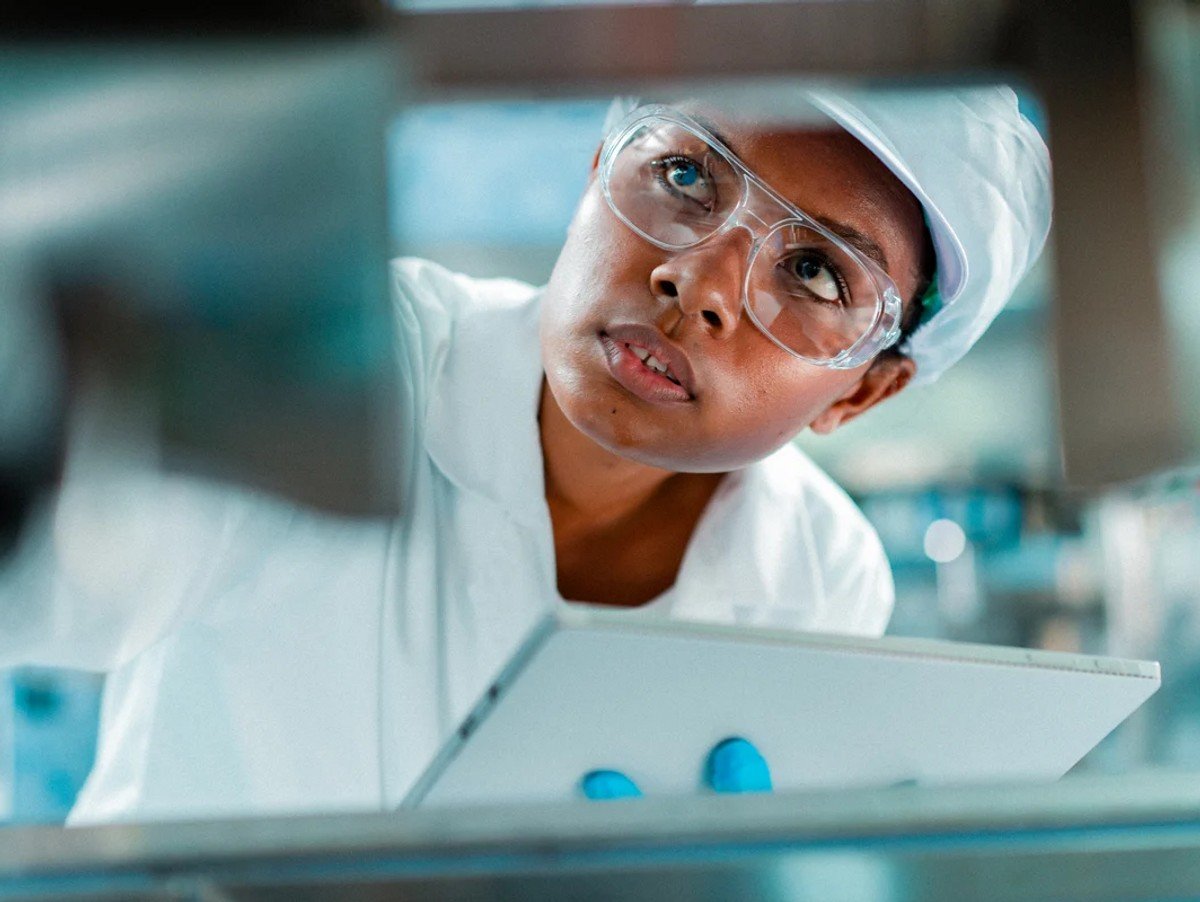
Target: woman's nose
[705, 282]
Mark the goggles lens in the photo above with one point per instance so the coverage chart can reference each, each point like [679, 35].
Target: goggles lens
[804, 286]
[810, 293]
[671, 185]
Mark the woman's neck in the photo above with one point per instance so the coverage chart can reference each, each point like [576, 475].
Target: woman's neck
[586, 481]
[621, 528]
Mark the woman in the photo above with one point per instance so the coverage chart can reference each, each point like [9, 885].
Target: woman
[620, 437]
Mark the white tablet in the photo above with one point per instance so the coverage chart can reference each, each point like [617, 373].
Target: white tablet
[600, 688]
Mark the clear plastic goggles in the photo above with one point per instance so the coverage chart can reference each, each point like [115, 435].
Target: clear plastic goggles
[813, 294]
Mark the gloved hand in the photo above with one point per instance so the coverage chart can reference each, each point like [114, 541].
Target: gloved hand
[733, 765]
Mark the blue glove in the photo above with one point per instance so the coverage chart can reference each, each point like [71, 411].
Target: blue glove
[733, 765]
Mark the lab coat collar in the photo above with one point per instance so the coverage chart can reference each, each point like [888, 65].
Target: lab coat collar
[481, 426]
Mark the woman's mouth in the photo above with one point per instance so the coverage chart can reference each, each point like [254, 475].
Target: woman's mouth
[646, 367]
[644, 355]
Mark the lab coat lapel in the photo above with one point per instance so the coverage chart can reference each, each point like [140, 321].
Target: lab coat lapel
[481, 426]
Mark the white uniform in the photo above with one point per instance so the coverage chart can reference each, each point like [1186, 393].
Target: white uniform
[268, 660]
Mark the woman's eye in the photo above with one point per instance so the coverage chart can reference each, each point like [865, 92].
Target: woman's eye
[817, 277]
[683, 175]
[685, 178]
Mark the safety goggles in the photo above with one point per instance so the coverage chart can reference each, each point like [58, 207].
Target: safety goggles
[816, 296]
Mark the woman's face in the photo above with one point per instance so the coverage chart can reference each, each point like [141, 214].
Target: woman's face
[612, 293]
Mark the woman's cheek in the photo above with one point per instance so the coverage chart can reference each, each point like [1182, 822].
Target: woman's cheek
[766, 414]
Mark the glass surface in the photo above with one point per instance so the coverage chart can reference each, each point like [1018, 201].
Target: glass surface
[960, 479]
[1173, 39]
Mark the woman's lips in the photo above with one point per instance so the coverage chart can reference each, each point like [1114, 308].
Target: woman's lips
[646, 368]
[647, 342]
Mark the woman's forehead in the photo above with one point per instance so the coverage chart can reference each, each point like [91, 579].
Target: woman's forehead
[725, 119]
[808, 159]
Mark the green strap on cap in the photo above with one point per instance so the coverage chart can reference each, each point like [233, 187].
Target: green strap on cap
[931, 301]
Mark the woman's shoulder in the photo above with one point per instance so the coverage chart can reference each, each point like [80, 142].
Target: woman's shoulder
[846, 549]
[794, 481]
[430, 289]
[444, 320]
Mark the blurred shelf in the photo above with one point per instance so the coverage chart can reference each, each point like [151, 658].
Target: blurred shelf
[998, 843]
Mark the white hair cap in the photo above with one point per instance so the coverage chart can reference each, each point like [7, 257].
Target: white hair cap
[982, 173]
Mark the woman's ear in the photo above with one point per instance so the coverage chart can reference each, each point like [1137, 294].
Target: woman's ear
[887, 375]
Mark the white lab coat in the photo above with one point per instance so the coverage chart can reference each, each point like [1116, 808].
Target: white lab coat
[266, 660]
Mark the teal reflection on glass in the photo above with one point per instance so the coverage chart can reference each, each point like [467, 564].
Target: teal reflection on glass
[48, 721]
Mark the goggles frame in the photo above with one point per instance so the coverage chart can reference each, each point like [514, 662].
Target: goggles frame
[884, 330]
